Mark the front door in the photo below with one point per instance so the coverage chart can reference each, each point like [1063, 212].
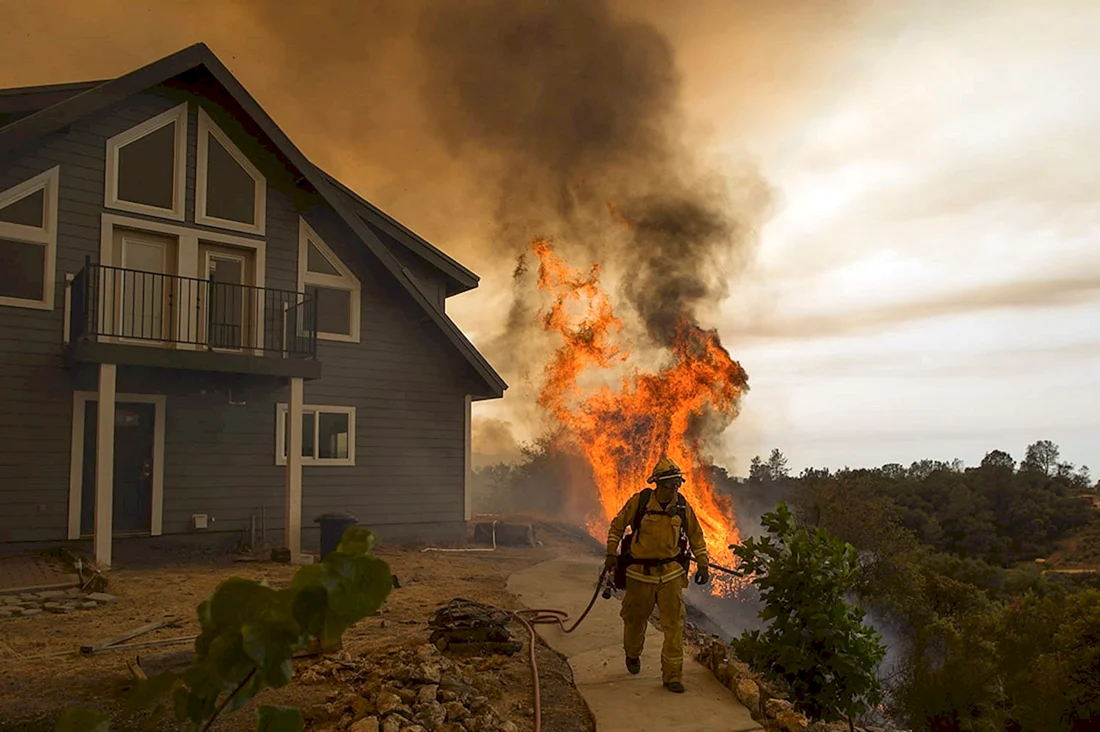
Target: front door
[135, 428]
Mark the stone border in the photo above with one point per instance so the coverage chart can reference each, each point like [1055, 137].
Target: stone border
[58, 602]
[768, 704]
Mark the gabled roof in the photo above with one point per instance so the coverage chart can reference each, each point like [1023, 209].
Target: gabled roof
[459, 278]
[355, 211]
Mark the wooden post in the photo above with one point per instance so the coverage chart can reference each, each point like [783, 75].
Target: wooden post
[105, 465]
[468, 477]
[293, 520]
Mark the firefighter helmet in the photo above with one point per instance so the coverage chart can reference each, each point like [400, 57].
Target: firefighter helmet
[665, 468]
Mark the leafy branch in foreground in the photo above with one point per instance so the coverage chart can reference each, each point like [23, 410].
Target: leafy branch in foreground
[815, 640]
[250, 634]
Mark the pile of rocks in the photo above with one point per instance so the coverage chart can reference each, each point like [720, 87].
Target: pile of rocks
[28, 604]
[407, 690]
[464, 627]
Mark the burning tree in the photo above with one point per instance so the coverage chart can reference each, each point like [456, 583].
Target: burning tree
[622, 432]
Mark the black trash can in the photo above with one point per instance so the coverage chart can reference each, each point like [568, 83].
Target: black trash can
[333, 526]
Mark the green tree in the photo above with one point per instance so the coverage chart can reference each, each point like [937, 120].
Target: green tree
[250, 633]
[1042, 457]
[815, 639]
[758, 471]
[777, 466]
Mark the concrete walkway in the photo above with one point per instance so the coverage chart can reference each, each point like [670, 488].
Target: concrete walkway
[621, 702]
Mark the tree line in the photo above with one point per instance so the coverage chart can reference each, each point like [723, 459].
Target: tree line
[989, 640]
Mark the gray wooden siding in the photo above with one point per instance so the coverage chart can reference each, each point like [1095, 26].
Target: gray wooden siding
[406, 382]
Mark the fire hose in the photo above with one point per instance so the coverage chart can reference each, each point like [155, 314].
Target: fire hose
[531, 617]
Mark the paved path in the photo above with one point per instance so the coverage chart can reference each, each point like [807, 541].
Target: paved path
[24, 573]
[621, 702]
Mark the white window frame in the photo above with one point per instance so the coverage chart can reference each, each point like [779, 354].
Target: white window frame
[344, 281]
[177, 114]
[46, 235]
[317, 409]
[208, 127]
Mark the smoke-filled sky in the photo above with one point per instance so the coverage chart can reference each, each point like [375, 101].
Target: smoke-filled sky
[905, 189]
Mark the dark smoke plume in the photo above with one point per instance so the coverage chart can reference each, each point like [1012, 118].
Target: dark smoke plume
[558, 118]
[574, 110]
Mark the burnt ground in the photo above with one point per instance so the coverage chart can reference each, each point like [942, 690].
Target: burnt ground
[41, 674]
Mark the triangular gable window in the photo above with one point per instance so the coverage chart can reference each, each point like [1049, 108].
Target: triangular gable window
[317, 262]
[28, 242]
[30, 210]
[230, 192]
[146, 166]
[333, 287]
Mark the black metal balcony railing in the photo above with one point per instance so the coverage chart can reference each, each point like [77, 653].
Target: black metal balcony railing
[133, 306]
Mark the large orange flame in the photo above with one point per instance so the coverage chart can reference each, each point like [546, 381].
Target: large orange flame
[623, 433]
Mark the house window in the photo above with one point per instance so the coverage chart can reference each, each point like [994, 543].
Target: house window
[334, 289]
[328, 435]
[230, 192]
[28, 242]
[146, 166]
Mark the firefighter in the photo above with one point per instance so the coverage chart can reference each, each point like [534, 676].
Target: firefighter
[654, 557]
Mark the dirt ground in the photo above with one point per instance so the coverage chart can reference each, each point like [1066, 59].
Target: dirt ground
[36, 683]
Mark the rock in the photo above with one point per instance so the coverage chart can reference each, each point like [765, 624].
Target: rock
[367, 724]
[102, 597]
[414, 728]
[29, 611]
[427, 693]
[455, 711]
[428, 672]
[726, 674]
[478, 703]
[392, 724]
[404, 711]
[446, 695]
[51, 594]
[451, 727]
[407, 695]
[56, 608]
[775, 706]
[362, 707]
[431, 714]
[481, 723]
[791, 721]
[748, 693]
[387, 702]
[507, 726]
[10, 600]
[89, 605]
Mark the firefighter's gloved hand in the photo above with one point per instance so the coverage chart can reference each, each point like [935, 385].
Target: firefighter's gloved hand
[609, 563]
[702, 575]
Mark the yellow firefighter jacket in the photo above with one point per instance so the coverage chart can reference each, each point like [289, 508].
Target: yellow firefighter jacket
[658, 538]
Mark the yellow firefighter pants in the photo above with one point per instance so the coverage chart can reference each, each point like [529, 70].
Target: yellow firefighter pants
[637, 607]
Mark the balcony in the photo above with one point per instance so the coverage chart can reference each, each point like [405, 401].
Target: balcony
[127, 316]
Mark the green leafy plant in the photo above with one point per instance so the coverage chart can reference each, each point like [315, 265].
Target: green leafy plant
[250, 634]
[815, 639]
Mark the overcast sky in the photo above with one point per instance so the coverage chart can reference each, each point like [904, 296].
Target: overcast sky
[928, 281]
[929, 285]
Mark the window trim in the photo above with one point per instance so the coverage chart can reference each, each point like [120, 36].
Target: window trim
[281, 410]
[345, 281]
[177, 114]
[46, 235]
[206, 127]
